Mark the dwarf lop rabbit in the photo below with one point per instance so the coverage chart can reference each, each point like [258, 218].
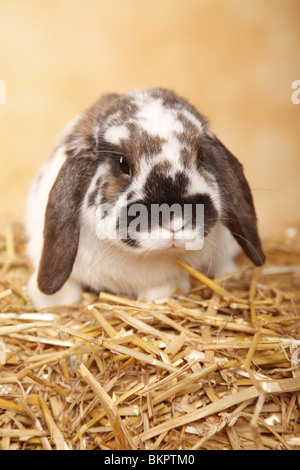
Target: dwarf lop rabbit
[146, 149]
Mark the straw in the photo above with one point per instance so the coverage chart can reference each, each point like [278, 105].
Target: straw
[218, 368]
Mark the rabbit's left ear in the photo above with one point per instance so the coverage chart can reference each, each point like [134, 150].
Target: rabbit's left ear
[238, 213]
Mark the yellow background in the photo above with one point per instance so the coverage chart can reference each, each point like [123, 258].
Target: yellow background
[234, 59]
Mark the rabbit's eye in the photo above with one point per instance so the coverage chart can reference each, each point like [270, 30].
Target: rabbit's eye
[124, 166]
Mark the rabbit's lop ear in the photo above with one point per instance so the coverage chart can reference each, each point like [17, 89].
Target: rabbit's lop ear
[62, 222]
[237, 212]
[63, 211]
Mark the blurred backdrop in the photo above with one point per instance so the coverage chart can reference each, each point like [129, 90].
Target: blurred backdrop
[235, 60]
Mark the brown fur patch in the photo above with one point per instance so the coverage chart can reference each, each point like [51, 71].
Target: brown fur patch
[85, 152]
[111, 190]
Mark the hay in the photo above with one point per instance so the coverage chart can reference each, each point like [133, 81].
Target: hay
[218, 369]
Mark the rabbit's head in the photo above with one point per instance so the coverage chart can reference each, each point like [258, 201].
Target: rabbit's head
[143, 171]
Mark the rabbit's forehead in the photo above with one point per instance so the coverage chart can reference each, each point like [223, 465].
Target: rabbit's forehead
[151, 125]
[165, 121]
[161, 134]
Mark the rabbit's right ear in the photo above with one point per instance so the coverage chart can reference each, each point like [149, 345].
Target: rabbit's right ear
[62, 216]
[62, 222]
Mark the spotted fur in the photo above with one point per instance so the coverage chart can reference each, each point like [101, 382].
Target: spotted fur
[168, 156]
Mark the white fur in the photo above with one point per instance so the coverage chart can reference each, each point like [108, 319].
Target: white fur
[70, 293]
[193, 119]
[115, 134]
[157, 120]
[148, 272]
[100, 263]
[200, 184]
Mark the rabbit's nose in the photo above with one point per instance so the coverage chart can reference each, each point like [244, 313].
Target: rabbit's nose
[174, 224]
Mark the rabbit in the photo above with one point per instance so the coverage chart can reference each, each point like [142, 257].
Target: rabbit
[145, 150]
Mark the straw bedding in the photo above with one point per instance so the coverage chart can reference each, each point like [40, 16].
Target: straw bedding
[218, 369]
